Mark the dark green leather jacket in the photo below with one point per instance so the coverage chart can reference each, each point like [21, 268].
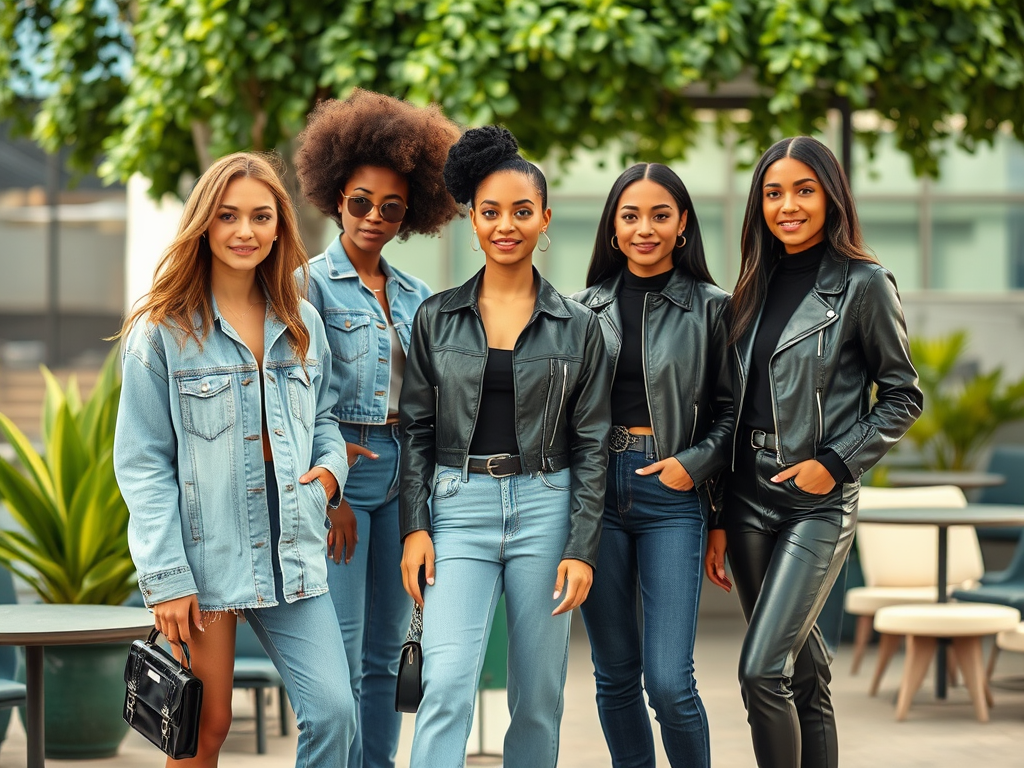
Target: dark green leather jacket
[847, 334]
[686, 369]
[562, 383]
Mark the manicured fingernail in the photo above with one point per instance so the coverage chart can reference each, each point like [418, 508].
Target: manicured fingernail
[375, 455]
[430, 581]
[555, 596]
[639, 472]
[775, 479]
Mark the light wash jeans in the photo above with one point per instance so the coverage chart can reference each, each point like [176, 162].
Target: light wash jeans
[372, 607]
[492, 535]
[303, 641]
[654, 537]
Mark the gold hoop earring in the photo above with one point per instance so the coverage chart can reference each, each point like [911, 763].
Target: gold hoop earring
[548, 238]
[474, 241]
[678, 244]
[615, 242]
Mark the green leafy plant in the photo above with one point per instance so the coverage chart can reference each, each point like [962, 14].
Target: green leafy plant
[73, 542]
[961, 413]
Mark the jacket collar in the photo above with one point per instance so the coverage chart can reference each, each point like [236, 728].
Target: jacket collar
[549, 300]
[339, 266]
[679, 290]
[832, 273]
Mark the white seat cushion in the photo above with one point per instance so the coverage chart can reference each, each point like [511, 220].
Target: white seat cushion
[1011, 639]
[866, 601]
[946, 619]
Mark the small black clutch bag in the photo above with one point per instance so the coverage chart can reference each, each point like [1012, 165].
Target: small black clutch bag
[163, 698]
[409, 690]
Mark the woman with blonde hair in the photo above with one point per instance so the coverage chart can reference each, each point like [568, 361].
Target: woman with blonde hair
[227, 455]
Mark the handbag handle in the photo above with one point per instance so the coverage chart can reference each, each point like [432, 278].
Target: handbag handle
[155, 633]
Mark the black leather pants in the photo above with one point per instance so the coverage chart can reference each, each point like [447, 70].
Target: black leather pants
[786, 548]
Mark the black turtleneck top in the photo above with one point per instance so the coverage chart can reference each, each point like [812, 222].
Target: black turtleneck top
[789, 284]
[629, 394]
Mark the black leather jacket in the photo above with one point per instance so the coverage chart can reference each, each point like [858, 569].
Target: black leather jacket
[686, 370]
[847, 333]
[562, 383]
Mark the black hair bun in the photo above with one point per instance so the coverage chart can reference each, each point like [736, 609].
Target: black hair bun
[474, 156]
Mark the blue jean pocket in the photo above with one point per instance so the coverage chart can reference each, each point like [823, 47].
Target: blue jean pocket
[447, 483]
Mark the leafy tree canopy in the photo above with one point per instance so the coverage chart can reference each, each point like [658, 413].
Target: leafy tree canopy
[160, 86]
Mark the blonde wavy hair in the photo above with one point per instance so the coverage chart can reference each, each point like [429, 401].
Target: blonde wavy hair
[181, 288]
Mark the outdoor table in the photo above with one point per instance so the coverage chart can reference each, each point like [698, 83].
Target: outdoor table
[966, 481]
[978, 515]
[38, 625]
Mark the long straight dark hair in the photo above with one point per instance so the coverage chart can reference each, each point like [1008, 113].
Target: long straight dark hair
[607, 261]
[761, 250]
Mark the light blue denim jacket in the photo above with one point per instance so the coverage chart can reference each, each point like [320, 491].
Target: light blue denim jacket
[189, 462]
[358, 333]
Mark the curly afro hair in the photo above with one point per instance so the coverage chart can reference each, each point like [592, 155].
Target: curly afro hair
[481, 152]
[373, 129]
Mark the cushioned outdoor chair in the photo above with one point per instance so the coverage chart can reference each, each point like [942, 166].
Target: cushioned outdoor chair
[12, 693]
[1008, 461]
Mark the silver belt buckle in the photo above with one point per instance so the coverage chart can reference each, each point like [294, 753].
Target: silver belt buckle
[754, 434]
[495, 459]
[619, 439]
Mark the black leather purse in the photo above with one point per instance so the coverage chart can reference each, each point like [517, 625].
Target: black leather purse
[409, 691]
[164, 698]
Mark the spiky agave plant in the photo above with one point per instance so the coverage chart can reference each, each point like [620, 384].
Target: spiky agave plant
[73, 542]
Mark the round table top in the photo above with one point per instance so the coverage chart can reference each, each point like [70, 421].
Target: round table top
[906, 478]
[990, 515]
[52, 624]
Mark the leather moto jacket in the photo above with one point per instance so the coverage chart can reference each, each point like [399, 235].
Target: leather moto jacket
[562, 384]
[847, 333]
[686, 370]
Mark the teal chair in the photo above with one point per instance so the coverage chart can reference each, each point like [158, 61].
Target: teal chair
[12, 693]
[255, 670]
[1008, 461]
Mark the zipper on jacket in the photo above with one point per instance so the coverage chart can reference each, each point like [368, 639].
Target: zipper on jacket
[561, 401]
[817, 392]
[647, 387]
[693, 432]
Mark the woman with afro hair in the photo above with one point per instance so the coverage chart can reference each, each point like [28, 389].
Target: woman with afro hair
[373, 164]
[506, 420]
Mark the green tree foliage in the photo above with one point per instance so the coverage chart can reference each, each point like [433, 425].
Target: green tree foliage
[212, 76]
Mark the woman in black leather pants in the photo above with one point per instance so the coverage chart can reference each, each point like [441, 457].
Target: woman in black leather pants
[815, 321]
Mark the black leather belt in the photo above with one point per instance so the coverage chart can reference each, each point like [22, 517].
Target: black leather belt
[761, 439]
[499, 465]
[621, 439]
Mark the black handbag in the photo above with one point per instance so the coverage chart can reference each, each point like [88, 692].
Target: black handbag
[163, 698]
[409, 690]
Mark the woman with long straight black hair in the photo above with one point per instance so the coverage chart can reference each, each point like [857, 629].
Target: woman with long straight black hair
[815, 322]
[662, 317]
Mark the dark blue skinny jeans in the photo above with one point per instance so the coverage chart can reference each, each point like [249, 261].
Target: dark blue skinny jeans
[654, 538]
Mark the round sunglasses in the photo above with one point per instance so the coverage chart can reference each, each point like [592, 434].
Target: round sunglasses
[391, 211]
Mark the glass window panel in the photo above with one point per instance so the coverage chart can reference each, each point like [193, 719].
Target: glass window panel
[977, 248]
[22, 263]
[892, 231]
[573, 229]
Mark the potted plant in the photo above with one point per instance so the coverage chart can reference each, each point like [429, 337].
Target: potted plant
[962, 409]
[72, 547]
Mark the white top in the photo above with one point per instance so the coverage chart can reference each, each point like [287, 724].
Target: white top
[397, 371]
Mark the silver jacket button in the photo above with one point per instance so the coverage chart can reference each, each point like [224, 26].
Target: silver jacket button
[830, 313]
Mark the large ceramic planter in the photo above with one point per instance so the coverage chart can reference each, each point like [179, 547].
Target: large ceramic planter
[84, 689]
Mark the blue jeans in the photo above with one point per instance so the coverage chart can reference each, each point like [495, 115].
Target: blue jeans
[492, 535]
[372, 607]
[305, 645]
[653, 536]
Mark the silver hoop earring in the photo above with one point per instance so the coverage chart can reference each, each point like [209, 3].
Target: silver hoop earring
[275, 238]
[615, 242]
[474, 241]
[678, 244]
[548, 238]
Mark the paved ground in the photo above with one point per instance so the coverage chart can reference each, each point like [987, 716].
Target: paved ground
[935, 734]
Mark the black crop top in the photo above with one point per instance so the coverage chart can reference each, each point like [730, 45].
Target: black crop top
[496, 423]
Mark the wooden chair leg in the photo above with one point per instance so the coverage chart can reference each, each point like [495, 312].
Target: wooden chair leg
[968, 650]
[261, 722]
[282, 707]
[952, 664]
[919, 656]
[887, 645]
[860, 641]
[993, 655]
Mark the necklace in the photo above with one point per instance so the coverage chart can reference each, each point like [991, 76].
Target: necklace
[243, 314]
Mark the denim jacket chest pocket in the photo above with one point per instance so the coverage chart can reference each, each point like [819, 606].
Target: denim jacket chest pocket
[207, 405]
[349, 335]
[301, 396]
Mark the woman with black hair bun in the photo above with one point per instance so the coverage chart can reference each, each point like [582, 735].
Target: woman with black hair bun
[505, 411]
[663, 321]
[372, 163]
[815, 322]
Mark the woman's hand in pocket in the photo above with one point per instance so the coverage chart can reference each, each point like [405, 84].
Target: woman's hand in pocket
[670, 472]
[355, 450]
[327, 480]
[342, 536]
[809, 476]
